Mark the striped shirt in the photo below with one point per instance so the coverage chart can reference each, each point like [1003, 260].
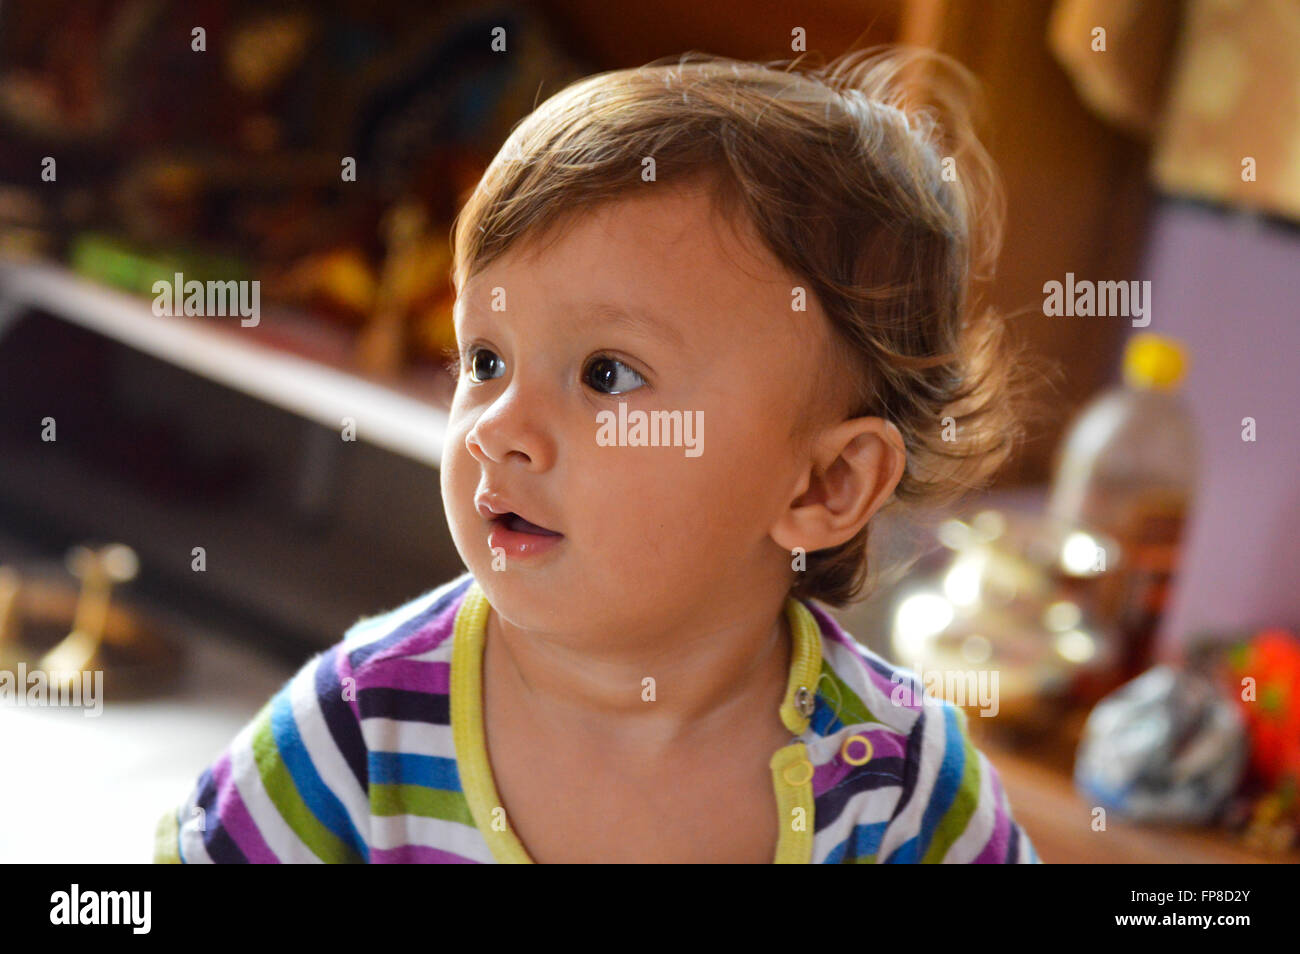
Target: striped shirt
[375, 752]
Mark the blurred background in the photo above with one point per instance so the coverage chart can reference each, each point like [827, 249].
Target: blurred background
[195, 505]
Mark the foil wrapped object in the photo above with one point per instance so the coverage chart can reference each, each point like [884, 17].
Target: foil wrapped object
[1165, 747]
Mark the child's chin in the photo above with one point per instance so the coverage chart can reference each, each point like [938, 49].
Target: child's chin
[529, 601]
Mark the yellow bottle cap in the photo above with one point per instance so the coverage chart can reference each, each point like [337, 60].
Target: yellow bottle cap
[1154, 361]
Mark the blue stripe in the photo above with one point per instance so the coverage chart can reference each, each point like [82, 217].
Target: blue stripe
[863, 841]
[322, 802]
[407, 768]
[908, 853]
[946, 783]
[825, 720]
[948, 779]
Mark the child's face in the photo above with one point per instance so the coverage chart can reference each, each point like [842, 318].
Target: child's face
[650, 534]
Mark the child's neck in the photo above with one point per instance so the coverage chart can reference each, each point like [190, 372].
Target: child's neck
[707, 678]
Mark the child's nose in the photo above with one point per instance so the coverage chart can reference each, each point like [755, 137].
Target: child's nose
[513, 427]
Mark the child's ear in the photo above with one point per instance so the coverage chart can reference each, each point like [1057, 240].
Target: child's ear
[854, 468]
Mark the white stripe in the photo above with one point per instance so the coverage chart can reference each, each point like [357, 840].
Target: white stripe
[908, 823]
[980, 826]
[277, 834]
[853, 672]
[193, 851]
[324, 753]
[864, 808]
[438, 654]
[1030, 853]
[417, 738]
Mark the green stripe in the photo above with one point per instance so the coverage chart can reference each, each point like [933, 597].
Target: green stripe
[848, 706]
[386, 800]
[166, 843]
[280, 787]
[963, 805]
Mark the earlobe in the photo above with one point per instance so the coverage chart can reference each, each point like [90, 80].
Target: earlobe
[854, 470]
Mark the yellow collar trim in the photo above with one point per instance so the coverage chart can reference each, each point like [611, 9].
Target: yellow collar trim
[791, 770]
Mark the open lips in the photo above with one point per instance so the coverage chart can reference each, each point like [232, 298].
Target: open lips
[495, 508]
[512, 521]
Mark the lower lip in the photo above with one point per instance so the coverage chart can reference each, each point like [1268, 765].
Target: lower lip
[520, 546]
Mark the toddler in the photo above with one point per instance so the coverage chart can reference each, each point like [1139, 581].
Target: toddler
[712, 316]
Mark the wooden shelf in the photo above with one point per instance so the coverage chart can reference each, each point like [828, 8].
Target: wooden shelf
[287, 360]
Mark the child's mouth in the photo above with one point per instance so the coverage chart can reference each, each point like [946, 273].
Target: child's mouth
[518, 539]
[513, 522]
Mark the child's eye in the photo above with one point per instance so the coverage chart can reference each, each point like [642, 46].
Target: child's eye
[610, 376]
[484, 365]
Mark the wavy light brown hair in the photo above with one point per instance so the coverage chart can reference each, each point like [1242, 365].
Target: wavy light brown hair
[863, 177]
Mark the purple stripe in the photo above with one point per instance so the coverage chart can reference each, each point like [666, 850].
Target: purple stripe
[425, 634]
[878, 669]
[340, 718]
[433, 677]
[235, 819]
[910, 691]
[885, 743]
[996, 849]
[417, 855]
[826, 623]
[344, 669]
[425, 639]
[832, 631]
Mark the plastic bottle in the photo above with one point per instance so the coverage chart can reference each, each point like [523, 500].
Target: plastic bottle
[1128, 468]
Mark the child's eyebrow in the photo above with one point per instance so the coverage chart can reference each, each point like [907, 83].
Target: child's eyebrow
[638, 320]
[635, 319]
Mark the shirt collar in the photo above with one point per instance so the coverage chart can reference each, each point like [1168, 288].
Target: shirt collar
[805, 667]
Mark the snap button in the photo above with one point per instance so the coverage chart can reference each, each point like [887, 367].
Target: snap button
[866, 754]
[801, 770]
[804, 702]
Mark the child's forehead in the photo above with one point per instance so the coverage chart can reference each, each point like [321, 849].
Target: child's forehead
[664, 252]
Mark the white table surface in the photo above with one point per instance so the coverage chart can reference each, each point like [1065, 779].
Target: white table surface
[77, 788]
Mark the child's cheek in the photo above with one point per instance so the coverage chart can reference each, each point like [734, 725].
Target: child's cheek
[458, 478]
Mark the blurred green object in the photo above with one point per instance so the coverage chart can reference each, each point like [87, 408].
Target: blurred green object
[135, 268]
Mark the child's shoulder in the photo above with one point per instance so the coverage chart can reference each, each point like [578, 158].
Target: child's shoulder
[421, 627]
[298, 782]
[896, 775]
[857, 686]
